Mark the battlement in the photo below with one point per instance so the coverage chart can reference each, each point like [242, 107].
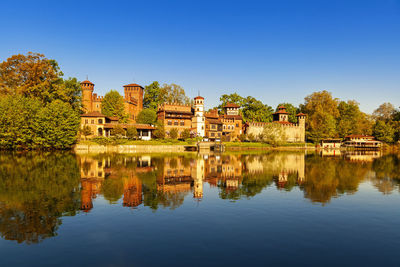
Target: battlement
[96, 98]
[174, 107]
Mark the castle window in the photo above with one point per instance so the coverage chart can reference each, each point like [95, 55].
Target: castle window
[92, 121]
[86, 121]
[182, 123]
[100, 121]
[169, 122]
[237, 124]
[175, 122]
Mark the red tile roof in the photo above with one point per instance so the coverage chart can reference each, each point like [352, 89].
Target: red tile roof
[86, 81]
[231, 105]
[133, 85]
[93, 114]
[301, 114]
[199, 97]
[281, 112]
[359, 136]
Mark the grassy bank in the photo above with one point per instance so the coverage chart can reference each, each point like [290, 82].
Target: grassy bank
[161, 142]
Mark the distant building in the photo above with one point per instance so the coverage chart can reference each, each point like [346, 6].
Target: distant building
[332, 143]
[101, 125]
[294, 132]
[361, 141]
[174, 115]
[133, 99]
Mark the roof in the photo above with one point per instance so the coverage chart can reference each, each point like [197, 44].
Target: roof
[93, 114]
[86, 81]
[281, 111]
[176, 112]
[133, 85]
[281, 107]
[359, 136]
[238, 117]
[113, 118]
[199, 97]
[231, 105]
[127, 125]
[214, 121]
[301, 114]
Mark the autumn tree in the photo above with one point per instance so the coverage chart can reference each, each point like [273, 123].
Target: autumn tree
[159, 132]
[385, 112]
[35, 76]
[322, 112]
[85, 131]
[147, 116]
[383, 131]
[185, 134]
[113, 106]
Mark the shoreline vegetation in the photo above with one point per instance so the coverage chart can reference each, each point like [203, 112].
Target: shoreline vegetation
[41, 110]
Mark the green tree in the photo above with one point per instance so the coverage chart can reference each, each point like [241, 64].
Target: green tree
[131, 133]
[384, 132]
[173, 93]
[118, 131]
[185, 134]
[255, 110]
[173, 133]
[291, 109]
[152, 96]
[231, 98]
[159, 132]
[147, 116]
[351, 120]
[113, 106]
[26, 123]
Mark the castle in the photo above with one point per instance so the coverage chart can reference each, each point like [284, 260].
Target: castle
[293, 132]
[211, 125]
[133, 99]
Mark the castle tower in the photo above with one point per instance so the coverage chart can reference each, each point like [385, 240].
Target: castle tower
[197, 174]
[87, 95]
[281, 114]
[301, 118]
[133, 100]
[198, 121]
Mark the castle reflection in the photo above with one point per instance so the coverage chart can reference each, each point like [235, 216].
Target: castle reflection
[38, 189]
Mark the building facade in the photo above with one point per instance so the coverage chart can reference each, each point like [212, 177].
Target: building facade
[133, 99]
[295, 133]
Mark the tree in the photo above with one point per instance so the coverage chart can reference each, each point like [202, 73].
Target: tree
[35, 76]
[173, 133]
[86, 131]
[185, 134]
[322, 111]
[292, 110]
[159, 132]
[351, 120]
[231, 98]
[131, 133]
[385, 112]
[147, 116]
[274, 134]
[113, 106]
[118, 131]
[255, 110]
[26, 123]
[384, 132]
[152, 96]
[173, 93]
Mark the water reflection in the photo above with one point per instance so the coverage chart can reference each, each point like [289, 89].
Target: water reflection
[36, 190]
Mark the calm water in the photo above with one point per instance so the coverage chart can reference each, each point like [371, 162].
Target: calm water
[199, 210]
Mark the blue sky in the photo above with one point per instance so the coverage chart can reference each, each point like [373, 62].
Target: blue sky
[277, 51]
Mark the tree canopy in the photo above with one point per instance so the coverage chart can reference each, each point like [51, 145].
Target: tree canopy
[147, 116]
[113, 106]
[291, 109]
[154, 94]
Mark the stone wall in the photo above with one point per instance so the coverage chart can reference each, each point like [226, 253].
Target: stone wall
[82, 149]
[294, 132]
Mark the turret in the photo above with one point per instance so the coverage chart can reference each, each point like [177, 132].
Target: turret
[281, 114]
[134, 91]
[198, 121]
[301, 118]
[87, 95]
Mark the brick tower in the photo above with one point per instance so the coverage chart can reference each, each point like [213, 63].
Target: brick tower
[87, 95]
[133, 100]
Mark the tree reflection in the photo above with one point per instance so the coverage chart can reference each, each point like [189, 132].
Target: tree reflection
[36, 189]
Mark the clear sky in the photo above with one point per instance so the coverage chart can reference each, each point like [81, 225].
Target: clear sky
[277, 51]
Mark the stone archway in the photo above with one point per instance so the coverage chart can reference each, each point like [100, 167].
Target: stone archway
[100, 131]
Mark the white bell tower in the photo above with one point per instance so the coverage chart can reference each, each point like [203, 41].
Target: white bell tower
[198, 121]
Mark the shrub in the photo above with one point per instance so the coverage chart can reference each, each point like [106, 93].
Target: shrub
[185, 134]
[173, 133]
[131, 133]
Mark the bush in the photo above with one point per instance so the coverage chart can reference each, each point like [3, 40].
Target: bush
[131, 133]
[147, 116]
[118, 131]
[173, 133]
[185, 134]
[159, 132]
